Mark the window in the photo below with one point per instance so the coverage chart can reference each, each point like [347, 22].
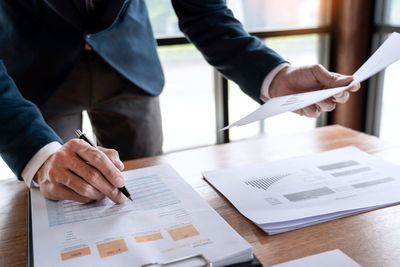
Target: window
[391, 15]
[384, 94]
[297, 29]
[390, 126]
[187, 107]
[273, 15]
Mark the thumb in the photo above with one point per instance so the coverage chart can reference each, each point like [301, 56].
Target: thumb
[330, 79]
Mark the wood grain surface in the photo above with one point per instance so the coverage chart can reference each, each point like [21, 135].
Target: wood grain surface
[371, 238]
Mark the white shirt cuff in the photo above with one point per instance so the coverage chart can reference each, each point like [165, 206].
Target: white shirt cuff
[37, 161]
[264, 95]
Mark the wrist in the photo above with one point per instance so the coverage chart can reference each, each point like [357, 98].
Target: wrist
[264, 94]
[276, 84]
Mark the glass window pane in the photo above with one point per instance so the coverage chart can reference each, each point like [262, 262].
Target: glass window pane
[392, 12]
[187, 102]
[299, 50]
[266, 15]
[163, 18]
[390, 126]
[256, 15]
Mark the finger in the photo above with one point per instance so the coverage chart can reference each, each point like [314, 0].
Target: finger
[355, 87]
[60, 192]
[330, 79]
[99, 160]
[327, 105]
[78, 185]
[312, 111]
[95, 178]
[113, 155]
[299, 111]
[341, 97]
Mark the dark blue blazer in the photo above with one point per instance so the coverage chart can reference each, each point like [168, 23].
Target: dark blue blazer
[42, 40]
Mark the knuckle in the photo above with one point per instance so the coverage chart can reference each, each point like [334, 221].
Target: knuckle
[59, 156]
[97, 158]
[86, 189]
[108, 192]
[93, 176]
[53, 173]
[114, 152]
[111, 192]
[317, 67]
[114, 193]
[109, 174]
[75, 142]
[67, 181]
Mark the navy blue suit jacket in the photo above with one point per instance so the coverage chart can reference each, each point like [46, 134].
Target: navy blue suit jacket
[42, 40]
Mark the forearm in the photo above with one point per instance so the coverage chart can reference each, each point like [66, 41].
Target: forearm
[22, 128]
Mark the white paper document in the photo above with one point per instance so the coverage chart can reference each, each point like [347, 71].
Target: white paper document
[289, 194]
[167, 220]
[332, 258]
[386, 54]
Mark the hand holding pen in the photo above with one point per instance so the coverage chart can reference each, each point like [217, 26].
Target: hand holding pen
[80, 172]
[83, 136]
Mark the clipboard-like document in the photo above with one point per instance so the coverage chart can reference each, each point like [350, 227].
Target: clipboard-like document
[289, 194]
[167, 220]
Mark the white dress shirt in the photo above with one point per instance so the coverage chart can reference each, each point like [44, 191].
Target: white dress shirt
[37, 161]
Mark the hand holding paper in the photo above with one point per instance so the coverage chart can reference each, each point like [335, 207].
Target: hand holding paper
[386, 54]
[294, 80]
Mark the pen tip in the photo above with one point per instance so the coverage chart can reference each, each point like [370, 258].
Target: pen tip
[130, 198]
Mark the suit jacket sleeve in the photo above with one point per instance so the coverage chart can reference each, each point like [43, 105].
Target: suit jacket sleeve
[23, 130]
[211, 27]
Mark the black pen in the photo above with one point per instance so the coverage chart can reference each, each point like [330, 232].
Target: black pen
[83, 136]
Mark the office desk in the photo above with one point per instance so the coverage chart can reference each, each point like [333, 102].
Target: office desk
[372, 238]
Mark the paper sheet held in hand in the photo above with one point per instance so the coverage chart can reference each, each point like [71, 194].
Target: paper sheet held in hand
[386, 54]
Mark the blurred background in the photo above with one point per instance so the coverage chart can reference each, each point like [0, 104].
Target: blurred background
[340, 35]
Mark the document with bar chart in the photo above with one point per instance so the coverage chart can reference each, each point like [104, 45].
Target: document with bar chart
[289, 194]
[167, 220]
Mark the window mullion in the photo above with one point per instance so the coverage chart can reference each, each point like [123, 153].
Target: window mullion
[221, 107]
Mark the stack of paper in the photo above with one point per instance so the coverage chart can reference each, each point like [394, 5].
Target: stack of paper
[289, 194]
[166, 221]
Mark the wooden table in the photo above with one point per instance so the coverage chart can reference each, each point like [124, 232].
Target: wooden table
[371, 238]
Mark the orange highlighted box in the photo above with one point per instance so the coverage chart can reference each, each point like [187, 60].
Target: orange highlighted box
[183, 232]
[75, 253]
[112, 248]
[147, 238]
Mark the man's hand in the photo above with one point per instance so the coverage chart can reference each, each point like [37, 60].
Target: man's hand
[81, 173]
[294, 80]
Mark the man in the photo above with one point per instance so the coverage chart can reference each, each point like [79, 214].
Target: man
[69, 55]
